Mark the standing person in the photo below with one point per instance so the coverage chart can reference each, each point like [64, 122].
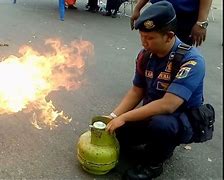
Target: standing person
[161, 123]
[92, 6]
[191, 18]
[113, 5]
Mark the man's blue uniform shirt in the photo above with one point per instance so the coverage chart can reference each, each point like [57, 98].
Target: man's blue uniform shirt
[156, 79]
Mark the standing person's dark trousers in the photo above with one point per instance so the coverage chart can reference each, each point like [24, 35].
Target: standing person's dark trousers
[185, 22]
[113, 5]
[92, 4]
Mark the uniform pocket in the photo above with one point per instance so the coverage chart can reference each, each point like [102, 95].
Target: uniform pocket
[186, 131]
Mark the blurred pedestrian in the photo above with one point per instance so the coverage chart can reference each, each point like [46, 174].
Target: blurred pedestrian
[92, 6]
[112, 7]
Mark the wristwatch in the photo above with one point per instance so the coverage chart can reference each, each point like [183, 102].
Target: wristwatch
[203, 24]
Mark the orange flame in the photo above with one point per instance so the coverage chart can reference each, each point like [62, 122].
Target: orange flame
[26, 81]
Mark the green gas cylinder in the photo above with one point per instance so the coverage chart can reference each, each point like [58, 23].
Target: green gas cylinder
[98, 150]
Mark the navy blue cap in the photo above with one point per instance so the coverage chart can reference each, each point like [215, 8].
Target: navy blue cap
[156, 16]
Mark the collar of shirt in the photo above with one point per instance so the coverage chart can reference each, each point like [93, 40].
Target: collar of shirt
[174, 48]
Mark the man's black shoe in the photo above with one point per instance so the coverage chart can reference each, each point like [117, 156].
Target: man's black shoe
[169, 156]
[143, 172]
[108, 13]
[92, 10]
[114, 15]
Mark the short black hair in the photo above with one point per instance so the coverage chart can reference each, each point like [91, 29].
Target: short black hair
[172, 26]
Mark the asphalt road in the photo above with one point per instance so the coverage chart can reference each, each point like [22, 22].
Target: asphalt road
[29, 153]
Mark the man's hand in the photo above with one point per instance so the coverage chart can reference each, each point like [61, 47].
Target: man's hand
[114, 124]
[134, 16]
[198, 35]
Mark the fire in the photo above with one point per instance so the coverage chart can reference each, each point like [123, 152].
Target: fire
[25, 81]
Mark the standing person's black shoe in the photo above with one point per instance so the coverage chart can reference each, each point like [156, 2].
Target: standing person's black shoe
[114, 15]
[108, 13]
[143, 172]
[93, 10]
